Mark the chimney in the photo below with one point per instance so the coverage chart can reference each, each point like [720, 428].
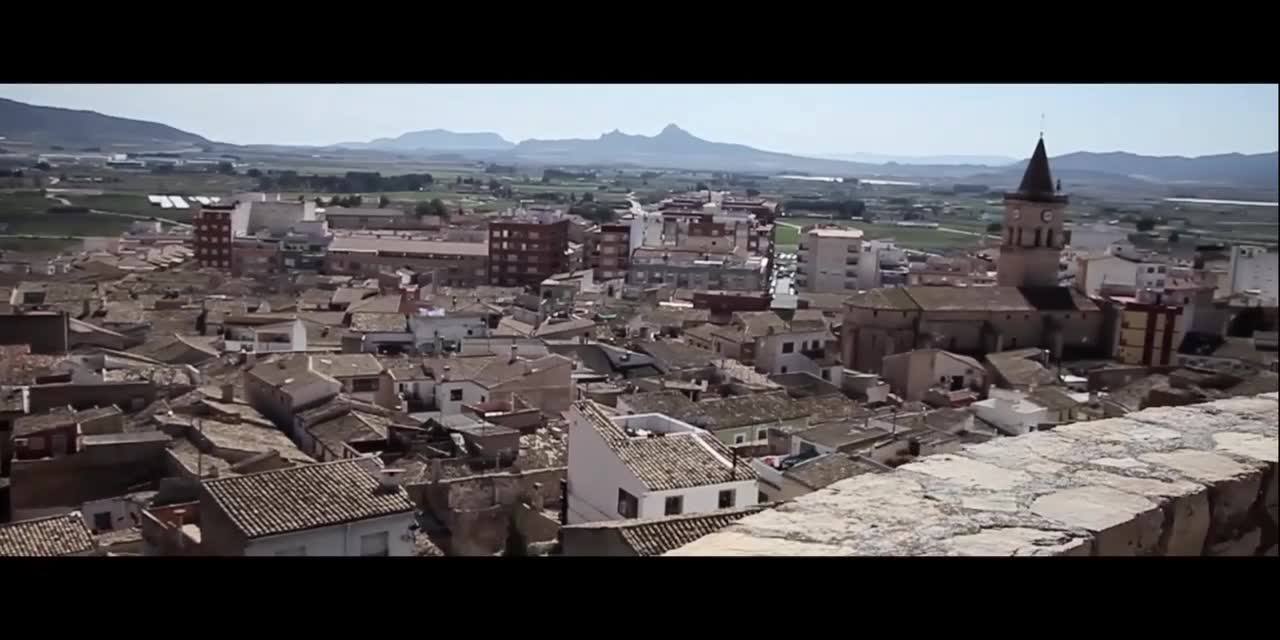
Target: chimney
[514, 354]
[228, 393]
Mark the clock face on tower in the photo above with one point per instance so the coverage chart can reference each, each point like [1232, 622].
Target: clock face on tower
[1017, 214]
[1046, 215]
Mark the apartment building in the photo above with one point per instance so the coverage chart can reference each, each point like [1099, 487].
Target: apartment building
[609, 250]
[211, 236]
[829, 261]
[456, 264]
[527, 250]
[697, 270]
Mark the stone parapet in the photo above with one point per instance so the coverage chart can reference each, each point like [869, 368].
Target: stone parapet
[1190, 480]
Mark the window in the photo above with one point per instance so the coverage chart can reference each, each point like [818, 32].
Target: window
[740, 439]
[727, 498]
[627, 505]
[102, 521]
[300, 550]
[788, 347]
[455, 395]
[374, 544]
[762, 434]
[784, 370]
[826, 374]
[673, 506]
[761, 497]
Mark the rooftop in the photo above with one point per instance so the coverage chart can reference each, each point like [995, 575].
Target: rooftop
[826, 232]
[816, 473]
[656, 536]
[354, 244]
[306, 497]
[59, 535]
[672, 461]
[346, 365]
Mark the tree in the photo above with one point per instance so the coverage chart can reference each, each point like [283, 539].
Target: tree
[254, 173]
[226, 168]
[588, 197]
[572, 198]
[458, 181]
[301, 198]
[494, 185]
[751, 193]
[319, 201]
[438, 208]
[43, 166]
[702, 186]
[422, 209]
[1145, 223]
[1174, 237]
[994, 227]
[383, 201]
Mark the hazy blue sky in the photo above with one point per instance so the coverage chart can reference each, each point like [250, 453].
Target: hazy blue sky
[806, 119]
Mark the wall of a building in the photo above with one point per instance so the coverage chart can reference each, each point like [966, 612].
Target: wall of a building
[826, 267]
[595, 475]
[701, 499]
[1255, 268]
[340, 540]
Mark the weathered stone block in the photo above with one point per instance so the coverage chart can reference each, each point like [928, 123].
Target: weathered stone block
[1122, 523]
[1233, 486]
[964, 471]
[1185, 506]
[1244, 545]
[1019, 541]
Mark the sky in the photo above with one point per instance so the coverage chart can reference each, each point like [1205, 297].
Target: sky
[904, 119]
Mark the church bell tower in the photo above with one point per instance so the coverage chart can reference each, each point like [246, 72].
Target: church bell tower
[1033, 234]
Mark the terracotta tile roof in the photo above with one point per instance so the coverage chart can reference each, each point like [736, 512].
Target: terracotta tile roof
[969, 298]
[672, 461]
[368, 322]
[741, 411]
[346, 365]
[59, 535]
[658, 536]
[306, 497]
[895, 299]
[819, 472]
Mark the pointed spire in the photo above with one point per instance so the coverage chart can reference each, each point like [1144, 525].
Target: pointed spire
[1037, 179]
[1037, 182]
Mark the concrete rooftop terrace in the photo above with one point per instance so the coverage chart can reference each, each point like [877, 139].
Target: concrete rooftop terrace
[1191, 480]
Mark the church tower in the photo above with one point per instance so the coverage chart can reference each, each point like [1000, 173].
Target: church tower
[1033, 234]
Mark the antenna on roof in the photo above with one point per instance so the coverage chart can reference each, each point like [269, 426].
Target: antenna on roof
[1042, 125]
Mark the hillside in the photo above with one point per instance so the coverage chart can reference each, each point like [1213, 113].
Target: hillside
[434, 140]
[1255, 170]
[55, 125]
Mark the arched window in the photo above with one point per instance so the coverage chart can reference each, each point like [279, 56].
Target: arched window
[1049, 239]
[1037, 239]
[1019, 236]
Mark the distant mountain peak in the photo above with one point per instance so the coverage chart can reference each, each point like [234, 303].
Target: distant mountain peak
[674, 130]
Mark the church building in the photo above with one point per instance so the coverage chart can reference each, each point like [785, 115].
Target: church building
[1027, 308]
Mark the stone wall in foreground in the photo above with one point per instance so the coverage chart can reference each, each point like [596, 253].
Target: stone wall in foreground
[1190, 480]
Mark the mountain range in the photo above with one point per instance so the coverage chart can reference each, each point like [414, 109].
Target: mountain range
[54, 125]
[672, 148]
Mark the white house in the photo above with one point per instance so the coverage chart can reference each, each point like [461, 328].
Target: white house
[342, 508]
[1016, 413]
[434, 328]
[802, 347]
[288, 336]
[1255, 269]
[649, 466]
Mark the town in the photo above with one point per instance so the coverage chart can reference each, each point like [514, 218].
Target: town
[304, 370]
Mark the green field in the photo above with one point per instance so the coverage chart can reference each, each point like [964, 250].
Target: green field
[788, 238]
[28, 213]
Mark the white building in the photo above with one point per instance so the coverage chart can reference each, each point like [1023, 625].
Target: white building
[434, 328]
[829, 261]
[288, 336]
[1255, 269]
[1015, 412]
[343, 508]
[649, 466]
